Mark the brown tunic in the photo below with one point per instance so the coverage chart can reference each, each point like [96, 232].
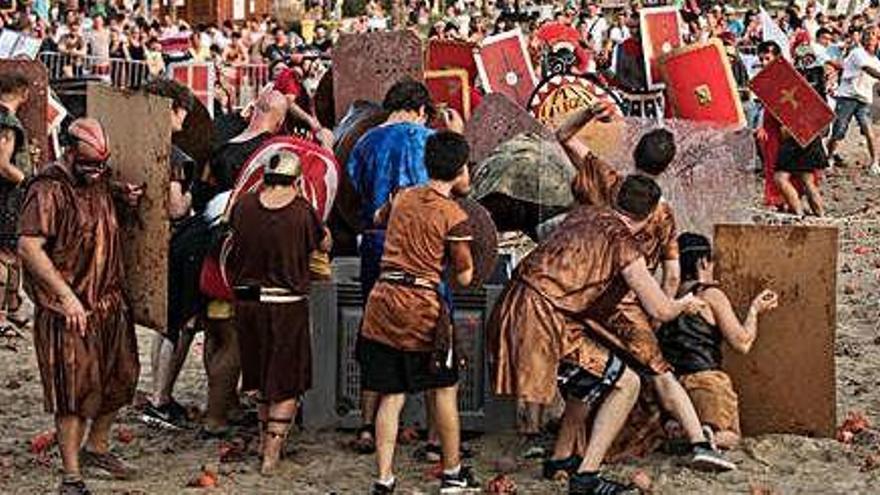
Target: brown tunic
[573, 276]
[97, 374]
[629, 327]
[271, 249]
[421, 224]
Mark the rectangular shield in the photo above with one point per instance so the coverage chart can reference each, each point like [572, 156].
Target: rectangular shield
[451, 54]
[33, 113]
[450, 88]
[788, 96]
[505, 67]
[661, 29]
[365, 66]
[496, 120]
[138, 127]
[700, 85]
[786, 384]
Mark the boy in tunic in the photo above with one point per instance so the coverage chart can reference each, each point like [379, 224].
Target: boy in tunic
[538, 331]
[274, 233]
[406, 333]
[629, 329]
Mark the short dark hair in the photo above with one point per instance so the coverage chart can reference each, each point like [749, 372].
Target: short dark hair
[823, 31]
[655, 152]
[12, 83]
[691, 249]
[769, 47]
[181, 96]
[408, 94]
[446, 152]
[638, 196]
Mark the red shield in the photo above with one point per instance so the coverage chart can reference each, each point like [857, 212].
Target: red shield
[199, 78]
[700, 85]
[451, 88]
[788, 96]
[661, 30]
[505, 67]
[450, 54]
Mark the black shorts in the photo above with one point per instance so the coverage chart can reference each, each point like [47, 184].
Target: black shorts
[387, 370]
[576, 383]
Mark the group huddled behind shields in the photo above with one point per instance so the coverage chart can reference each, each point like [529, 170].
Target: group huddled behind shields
[583, 320]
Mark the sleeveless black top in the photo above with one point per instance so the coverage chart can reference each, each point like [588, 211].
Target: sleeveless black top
[689, 343]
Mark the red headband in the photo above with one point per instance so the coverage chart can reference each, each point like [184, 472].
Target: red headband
[92, 140]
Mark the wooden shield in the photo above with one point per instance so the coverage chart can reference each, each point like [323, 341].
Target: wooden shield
[496, 120]
[365, 66]
[138, 127]
[484, 247]
[33, 113]
[786, 384]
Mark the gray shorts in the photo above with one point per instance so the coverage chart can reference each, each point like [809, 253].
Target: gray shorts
[845, 109]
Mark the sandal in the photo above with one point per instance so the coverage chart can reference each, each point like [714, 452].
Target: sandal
[365, 443]
[270, 462]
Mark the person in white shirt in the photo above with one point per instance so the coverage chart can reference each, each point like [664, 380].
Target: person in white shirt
[855, 94]
[594, 27]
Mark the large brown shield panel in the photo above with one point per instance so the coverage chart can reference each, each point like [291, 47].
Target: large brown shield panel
[365, 66]
[786, 384]
[33, 112]
[139, 129]
[496, 120]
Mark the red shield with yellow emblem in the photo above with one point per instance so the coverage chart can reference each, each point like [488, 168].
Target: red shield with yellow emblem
[788, 96]
[661, 29]
[700, 85]
[450, 88]
[451, 54]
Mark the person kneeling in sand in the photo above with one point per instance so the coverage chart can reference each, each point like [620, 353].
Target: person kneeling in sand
[692, 342]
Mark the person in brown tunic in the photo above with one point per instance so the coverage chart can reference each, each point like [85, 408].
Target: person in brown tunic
[629, 329]
[406, 335]
[83, 330]
[537, 332]
[274, 233]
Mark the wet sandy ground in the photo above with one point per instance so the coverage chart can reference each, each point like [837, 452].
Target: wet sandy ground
[322, 464]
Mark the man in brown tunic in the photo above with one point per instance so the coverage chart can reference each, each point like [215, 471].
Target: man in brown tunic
[274, 233]
[628, 328]
[83, 331]
[538, 330]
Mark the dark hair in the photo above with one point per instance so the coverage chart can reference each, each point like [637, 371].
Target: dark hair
[181, 96]
[12, 83]
[823, 31]
[638, 196]
[446, 152]
[691, 249]
[655, 151]
[408, 94]
[769, 47]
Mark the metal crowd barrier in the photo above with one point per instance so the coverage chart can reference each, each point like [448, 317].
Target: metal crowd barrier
[118, 72]
[243, 81]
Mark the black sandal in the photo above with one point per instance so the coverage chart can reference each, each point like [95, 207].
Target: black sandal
[365, 443]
